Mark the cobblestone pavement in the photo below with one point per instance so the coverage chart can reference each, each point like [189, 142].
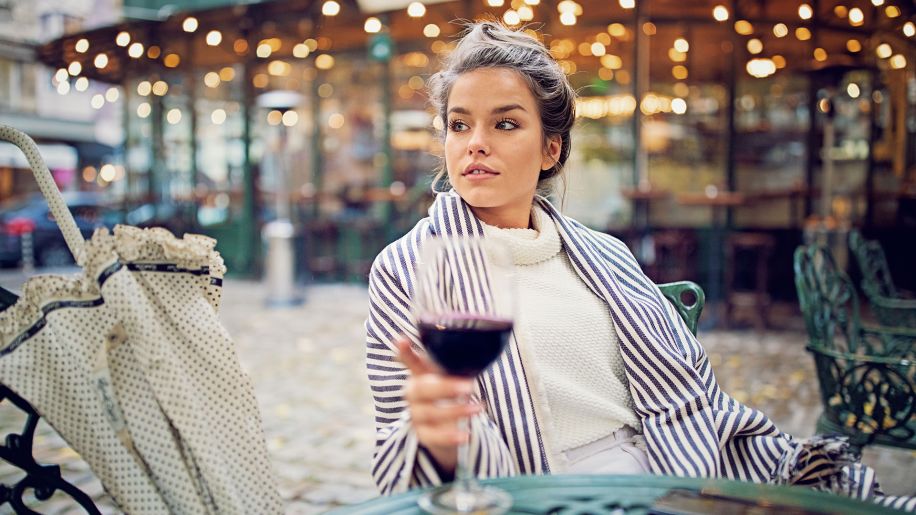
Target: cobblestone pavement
[306, 363]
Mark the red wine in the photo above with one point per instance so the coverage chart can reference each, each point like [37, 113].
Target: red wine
[465, 345]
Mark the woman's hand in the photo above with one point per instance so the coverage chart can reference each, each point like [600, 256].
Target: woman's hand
[437, 402]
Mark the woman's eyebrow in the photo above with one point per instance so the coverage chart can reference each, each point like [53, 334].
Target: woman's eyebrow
[496, 110]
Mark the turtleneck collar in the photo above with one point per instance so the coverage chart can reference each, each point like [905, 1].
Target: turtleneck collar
[529, 246]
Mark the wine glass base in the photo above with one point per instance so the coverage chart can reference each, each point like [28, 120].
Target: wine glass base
[478, 499]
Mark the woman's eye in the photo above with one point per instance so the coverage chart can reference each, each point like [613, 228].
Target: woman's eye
[457, 126]
[506, 125]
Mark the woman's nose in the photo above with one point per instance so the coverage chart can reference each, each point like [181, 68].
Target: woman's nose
[479, 143]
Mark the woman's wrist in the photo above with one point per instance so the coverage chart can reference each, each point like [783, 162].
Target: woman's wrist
[445, 459]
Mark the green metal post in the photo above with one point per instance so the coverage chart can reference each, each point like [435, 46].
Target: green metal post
[387, 175]
[315, 145]
[247, 224]
[192, 107]
[154, 184]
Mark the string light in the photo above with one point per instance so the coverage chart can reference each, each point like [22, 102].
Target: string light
[144, 109]
[681, 45]
[112, 94]
[761, 67]
[173, 116]
[75, 68]
[820, 55]
[431, 30]
[372, 26]
[853, 90]
[805, 12]
[898, 62]
[495, 3]
[720, 13]
[511, 17]
[144, 88]
[803, 34]
[81, 84]
[909, 29]
[63, 88]
[160, 88]
[218, 116]
[290, 118]
[856, 17]
[853, 45]
[189, 24]
[678, 106]
[416, 10]
[122, 39]
[101, 61]
[526, 13]
[892, 11]
[780, 30]
[744, 27]
[628, 4]
[212, 80]
[82, 46]
[754, 46]
[97, 101]
[214, 37]
[135, 50]
[884, 51]
[330, 8]
[301, 51]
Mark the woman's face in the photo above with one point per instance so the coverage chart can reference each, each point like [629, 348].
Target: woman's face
[494, 145]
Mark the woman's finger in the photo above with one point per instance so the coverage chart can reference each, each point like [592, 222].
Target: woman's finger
[436, 415]
[413, 361]
[430, 387]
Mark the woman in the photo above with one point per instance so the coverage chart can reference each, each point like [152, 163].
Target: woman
[601, 374]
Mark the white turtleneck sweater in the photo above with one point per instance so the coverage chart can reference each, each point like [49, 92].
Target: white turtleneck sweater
[567, 330]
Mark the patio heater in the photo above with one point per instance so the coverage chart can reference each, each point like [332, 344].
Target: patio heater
[280, 258]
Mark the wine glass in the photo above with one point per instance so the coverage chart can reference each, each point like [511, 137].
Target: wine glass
[465, 304]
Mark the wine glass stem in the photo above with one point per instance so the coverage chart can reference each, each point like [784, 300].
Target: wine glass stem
[464, 475]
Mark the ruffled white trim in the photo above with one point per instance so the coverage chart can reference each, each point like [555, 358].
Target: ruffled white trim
[127, 245]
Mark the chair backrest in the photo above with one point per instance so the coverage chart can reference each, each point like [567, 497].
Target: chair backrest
[828, 300]
[689, 311]
[876, 275]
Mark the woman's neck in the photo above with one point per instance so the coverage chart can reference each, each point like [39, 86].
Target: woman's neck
[505, 218]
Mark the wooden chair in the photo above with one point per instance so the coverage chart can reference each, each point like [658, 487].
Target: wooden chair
[867, 375]
[887, 303]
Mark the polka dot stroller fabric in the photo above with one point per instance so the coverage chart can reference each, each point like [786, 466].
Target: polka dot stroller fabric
[129, 362]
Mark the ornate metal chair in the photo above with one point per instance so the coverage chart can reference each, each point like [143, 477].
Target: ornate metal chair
[43, 480]
[886, 302]
[688, 299]
[867, 375]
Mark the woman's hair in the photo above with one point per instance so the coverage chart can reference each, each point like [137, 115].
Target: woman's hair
[490, 44]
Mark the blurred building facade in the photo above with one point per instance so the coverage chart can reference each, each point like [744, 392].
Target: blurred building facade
[693, 117]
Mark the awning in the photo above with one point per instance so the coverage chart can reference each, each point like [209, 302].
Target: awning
[56, 156]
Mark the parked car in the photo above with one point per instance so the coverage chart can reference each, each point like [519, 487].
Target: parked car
[32, 215]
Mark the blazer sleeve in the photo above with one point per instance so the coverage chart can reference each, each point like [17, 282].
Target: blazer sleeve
[400, 462]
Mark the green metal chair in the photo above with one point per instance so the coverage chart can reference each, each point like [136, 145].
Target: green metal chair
[867, 375]
[886, 302]
[689, 310]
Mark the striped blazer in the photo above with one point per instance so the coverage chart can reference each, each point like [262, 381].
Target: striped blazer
[691, 427]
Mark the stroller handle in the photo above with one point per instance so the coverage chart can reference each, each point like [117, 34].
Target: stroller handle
[48, 188]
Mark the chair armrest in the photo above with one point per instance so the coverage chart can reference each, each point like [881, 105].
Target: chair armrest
[893, 303]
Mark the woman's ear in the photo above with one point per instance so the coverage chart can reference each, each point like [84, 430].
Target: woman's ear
[551, 152]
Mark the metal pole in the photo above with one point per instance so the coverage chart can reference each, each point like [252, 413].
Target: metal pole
[192, 107]
[640, 78]
[315, 144]
[153, 180]
[249, 236]
[388, 167]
